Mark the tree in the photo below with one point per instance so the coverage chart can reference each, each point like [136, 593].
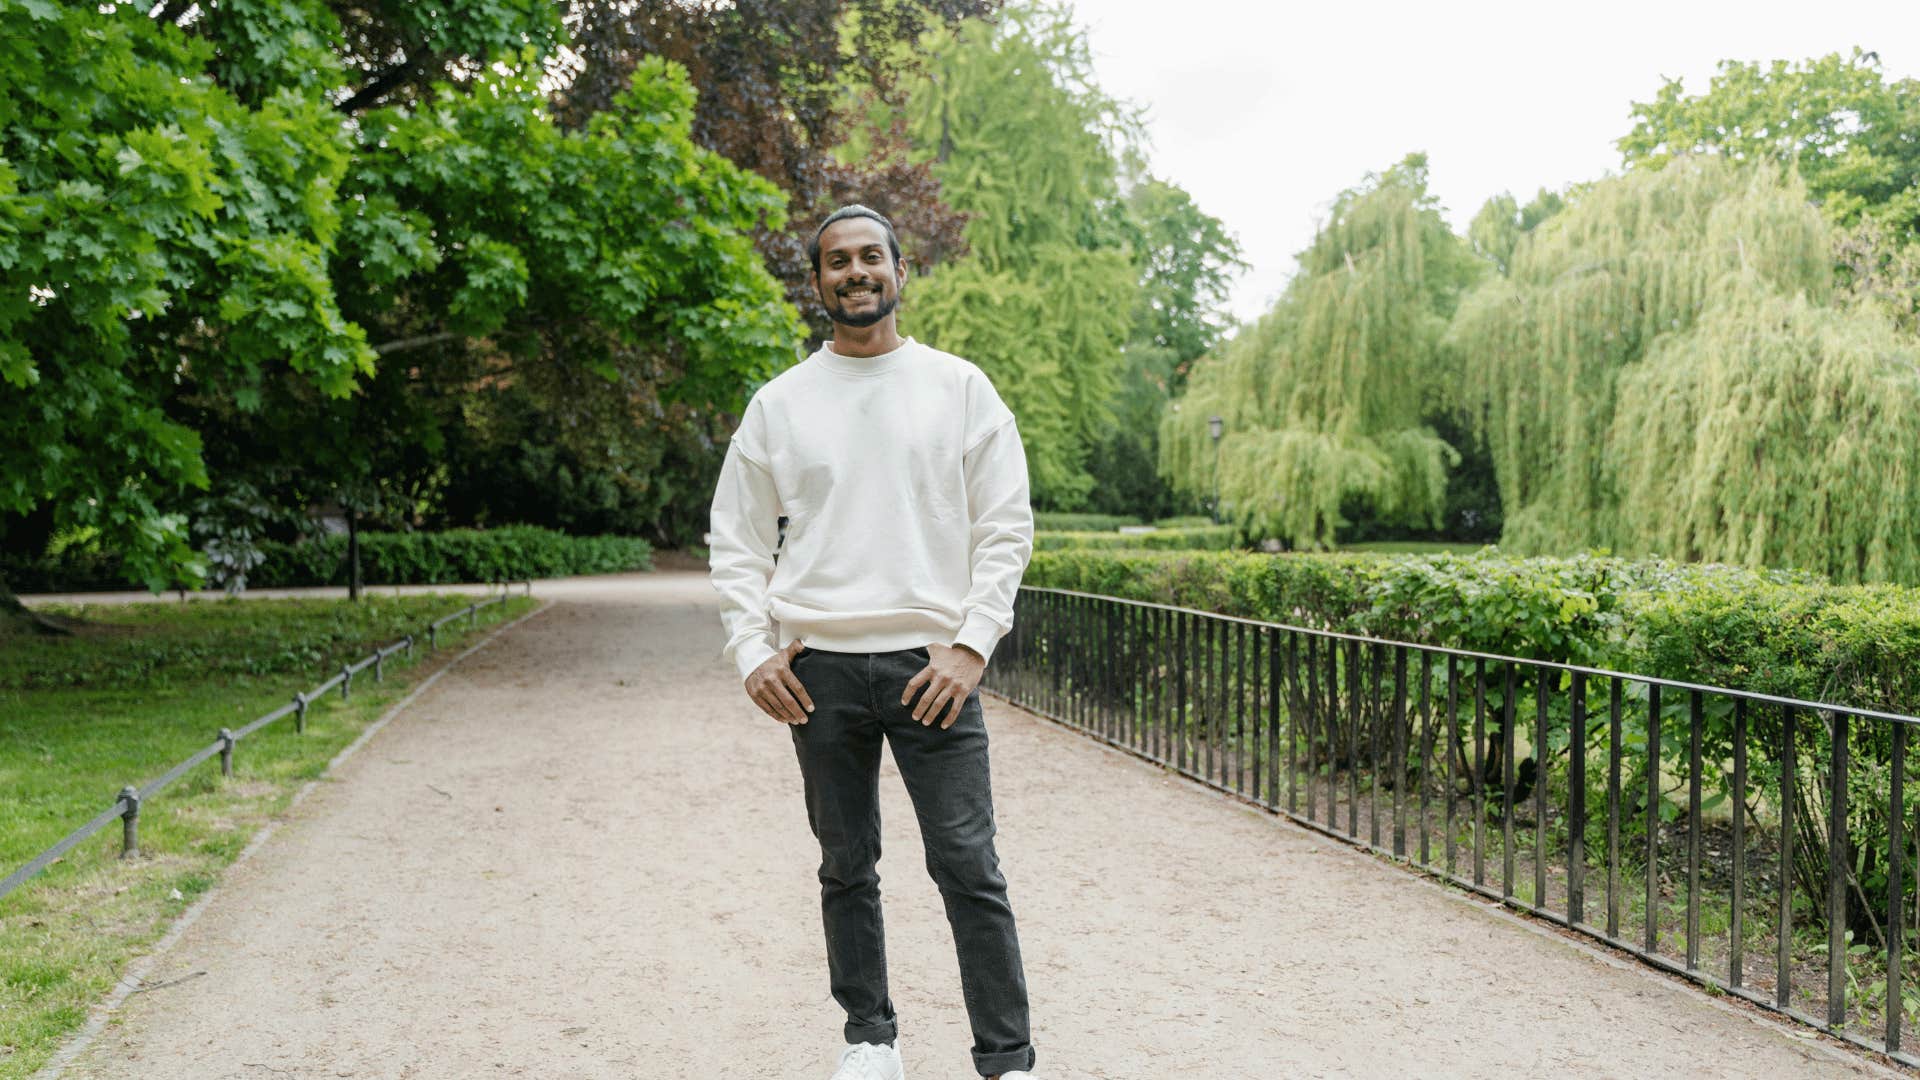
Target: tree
[784, 86]
[1670, 369]
[152, 228]
[1023, 141]
[175, 256]
[1328, 400]
[1853, 136]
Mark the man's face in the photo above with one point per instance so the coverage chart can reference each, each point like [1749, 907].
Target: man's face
[858, 281]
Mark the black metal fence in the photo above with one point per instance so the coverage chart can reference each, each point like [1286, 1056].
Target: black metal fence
[1753, 843]
[126, 806]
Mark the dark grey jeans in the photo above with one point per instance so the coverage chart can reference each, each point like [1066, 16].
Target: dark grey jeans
[856, 699]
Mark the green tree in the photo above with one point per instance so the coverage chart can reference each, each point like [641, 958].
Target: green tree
[1024, 142]
[1670, 369]
[1328, 400]
[190, 236]
[153, 228]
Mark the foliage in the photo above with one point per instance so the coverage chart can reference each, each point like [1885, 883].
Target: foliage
[1198, 538]
[1062, 521]
[513, 553]
[1026, 144]
[1850, 134]
[783, 86]
[1687, 317]
[1328, 400]
[151, 224]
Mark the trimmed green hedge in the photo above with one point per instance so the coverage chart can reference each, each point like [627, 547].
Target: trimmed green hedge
[1061, 521]
[513, 552]
[1765, 631]
[1203, 538]
[456, 555]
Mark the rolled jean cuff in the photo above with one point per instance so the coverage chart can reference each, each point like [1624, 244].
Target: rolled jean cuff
[883, 1032]
[1004, 1061]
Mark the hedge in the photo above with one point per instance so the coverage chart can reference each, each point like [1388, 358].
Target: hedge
[425, 558]
[1203, 538]
[1061, 521]
[456, 555]
[1767, 631]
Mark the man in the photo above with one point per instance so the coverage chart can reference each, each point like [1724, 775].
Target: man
[904, 485]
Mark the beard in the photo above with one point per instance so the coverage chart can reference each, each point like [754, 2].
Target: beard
[837, 311]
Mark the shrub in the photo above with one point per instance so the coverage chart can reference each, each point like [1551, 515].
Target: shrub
[1207, 538]
[1060, 521]
[456, 555]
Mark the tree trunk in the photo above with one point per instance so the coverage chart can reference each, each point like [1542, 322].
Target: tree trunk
[353, 555]
[12, 610]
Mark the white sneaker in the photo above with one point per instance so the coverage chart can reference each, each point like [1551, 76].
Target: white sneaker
[870, 1061]
[1017, 1074]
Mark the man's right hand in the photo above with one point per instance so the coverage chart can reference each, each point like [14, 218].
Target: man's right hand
[776, 689]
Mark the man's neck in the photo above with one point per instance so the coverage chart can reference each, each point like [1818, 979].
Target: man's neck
[862, 341]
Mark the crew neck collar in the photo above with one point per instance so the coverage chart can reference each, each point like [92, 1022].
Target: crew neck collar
[863, 365]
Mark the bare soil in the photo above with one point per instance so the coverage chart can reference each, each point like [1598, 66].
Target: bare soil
[584, 854]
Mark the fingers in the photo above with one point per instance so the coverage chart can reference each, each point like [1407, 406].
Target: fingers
[796, 689]
[932, 702]
[953, 713]
[784, 708]
[914, 684]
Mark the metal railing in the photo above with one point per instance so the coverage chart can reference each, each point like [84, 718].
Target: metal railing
[126, 806]
[1599, 797]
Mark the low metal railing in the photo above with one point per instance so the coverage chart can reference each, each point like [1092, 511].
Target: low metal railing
[1600, 796]
[126, 806]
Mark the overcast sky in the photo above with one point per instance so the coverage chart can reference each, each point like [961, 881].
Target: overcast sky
[1264, 111]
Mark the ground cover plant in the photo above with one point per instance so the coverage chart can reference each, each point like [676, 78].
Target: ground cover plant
[138, 688]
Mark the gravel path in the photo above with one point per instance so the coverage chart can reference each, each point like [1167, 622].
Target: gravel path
[584, 854]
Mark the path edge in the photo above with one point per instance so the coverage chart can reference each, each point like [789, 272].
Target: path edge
[136, 972]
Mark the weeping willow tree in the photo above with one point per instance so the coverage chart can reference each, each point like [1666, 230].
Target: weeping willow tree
[1328, 400]
[1025, 143]
[1668, 369]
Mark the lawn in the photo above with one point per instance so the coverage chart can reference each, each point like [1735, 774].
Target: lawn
[139, 688]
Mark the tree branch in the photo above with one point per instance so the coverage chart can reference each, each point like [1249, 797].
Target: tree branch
[378, 87]
[417, 342]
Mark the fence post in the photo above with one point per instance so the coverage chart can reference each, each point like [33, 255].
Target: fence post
[346, 680]
[226, 752]
[379, 665]
[473, 615]
[300, 713]
[409, 646]
[433, 636]
[130, 823]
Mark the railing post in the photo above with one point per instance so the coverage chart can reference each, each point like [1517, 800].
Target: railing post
[346, 680]
[300, 713]
[130, 823]
[226, 752]
[409, 646]
[433, 635]
[473, 615]
[379, 665]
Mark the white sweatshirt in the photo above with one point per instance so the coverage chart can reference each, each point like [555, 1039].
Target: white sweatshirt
[904, 485]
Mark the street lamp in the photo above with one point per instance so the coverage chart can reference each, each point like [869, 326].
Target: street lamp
[1215, 427]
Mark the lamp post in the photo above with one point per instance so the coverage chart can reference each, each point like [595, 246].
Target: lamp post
[1215, 427]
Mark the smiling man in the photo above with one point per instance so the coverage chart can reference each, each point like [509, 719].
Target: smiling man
[904, 485]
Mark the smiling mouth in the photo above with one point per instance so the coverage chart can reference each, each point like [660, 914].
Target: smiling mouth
[856, 294]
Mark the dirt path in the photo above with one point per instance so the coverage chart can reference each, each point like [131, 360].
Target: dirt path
[584, 854]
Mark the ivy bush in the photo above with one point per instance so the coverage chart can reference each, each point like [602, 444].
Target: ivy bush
[456, 555]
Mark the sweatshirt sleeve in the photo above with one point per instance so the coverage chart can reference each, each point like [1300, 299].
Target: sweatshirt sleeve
[1002, 535]
[745, 530]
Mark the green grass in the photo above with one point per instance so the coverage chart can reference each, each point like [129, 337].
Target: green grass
[1413, 547]
[140, 688]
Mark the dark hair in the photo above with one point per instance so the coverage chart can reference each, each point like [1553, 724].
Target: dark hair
[851, 211]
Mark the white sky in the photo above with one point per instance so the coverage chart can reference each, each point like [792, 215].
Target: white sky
[1265, 110]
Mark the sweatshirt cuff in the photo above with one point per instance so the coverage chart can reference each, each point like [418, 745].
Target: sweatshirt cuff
[980, 634]
[751, 654]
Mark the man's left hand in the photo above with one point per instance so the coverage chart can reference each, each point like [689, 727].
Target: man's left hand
[951, 673]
